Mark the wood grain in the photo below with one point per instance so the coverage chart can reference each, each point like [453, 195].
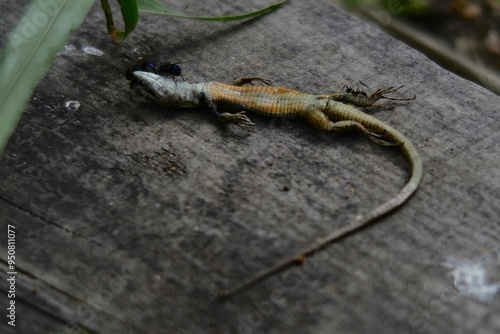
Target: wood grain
[130, 217]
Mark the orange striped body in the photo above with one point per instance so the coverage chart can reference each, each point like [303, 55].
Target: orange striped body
[264, 100]
[325, 112]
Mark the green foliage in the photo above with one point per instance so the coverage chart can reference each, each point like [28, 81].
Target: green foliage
[43, 31]
[130, 10]
[407, 6]
[29, 51]
[353, 4]
[157, 8]
[130, 14]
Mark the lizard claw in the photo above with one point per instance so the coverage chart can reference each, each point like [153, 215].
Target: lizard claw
[379, 138]
[360, 98]
[239, 119]
[381, 94]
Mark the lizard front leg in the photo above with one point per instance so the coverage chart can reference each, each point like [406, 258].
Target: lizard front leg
[239, 118]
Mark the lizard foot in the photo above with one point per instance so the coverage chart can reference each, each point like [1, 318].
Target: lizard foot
[379, 138]
[239, 119]
[360, 98]
[381, 94]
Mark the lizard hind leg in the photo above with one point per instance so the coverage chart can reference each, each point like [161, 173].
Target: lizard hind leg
[321, 121]
[317, 118]
[379, 137]
[360, 98]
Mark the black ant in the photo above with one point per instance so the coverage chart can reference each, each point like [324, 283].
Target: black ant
[356, 92]
[163, 69]
[168, 69]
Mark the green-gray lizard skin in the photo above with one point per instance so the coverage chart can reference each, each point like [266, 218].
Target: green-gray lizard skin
[322, 111]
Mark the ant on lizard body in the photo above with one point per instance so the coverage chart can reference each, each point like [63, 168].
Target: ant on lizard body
[163, 69]
[356, 92]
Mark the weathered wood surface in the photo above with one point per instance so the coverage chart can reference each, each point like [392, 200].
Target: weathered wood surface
[130, 218]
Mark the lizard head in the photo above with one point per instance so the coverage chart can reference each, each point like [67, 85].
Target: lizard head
[164, 90]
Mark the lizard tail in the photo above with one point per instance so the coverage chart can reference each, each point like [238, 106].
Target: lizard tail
[361, 221]
[406, 192]
[411, 154]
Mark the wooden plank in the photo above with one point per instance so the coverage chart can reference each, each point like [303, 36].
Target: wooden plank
[140, 215]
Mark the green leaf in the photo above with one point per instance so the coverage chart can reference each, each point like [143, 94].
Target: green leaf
[29, 51]
[130, 14]
[152, 6]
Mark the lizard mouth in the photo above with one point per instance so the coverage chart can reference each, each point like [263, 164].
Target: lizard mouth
[140, 88]
[161, 89]
[139, 85]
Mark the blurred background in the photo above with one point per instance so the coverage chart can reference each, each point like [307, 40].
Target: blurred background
[463, 36]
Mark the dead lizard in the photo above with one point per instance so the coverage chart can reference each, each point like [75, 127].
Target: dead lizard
[331, 112]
